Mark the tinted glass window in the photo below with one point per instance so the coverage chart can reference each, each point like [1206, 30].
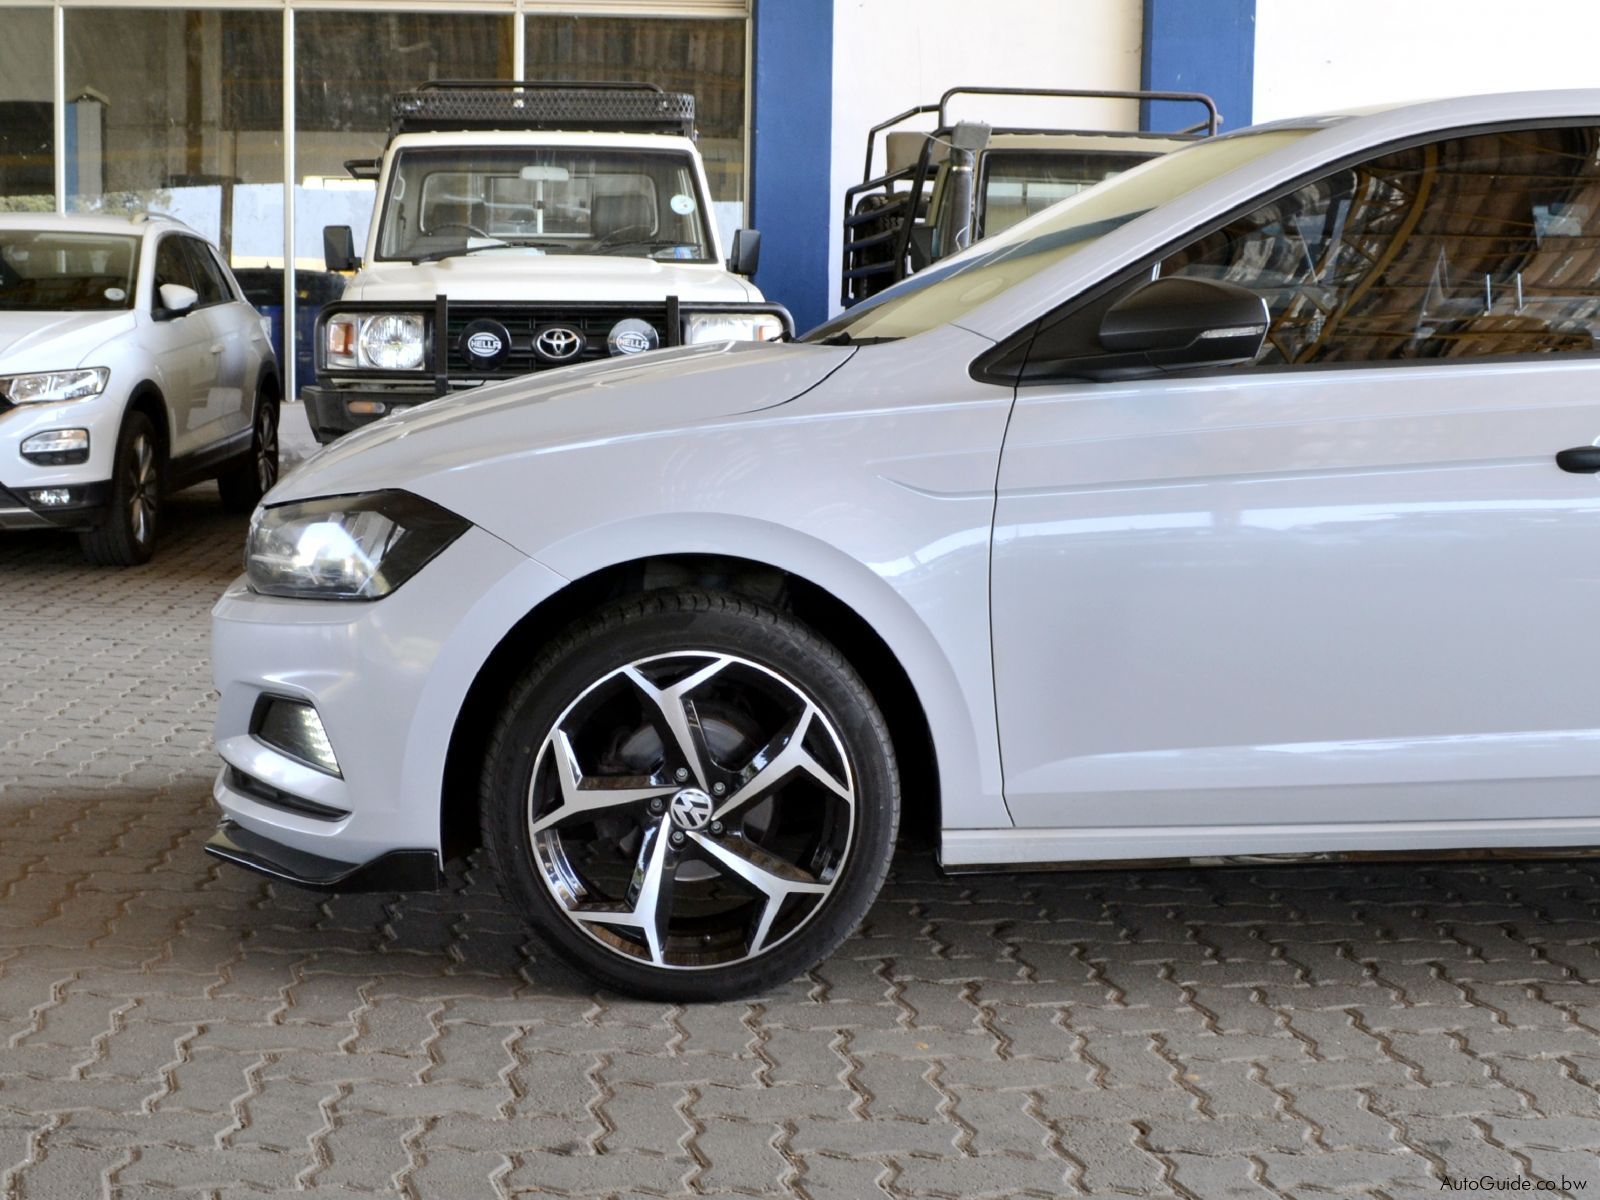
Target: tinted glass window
[1480, 245]
[172, 266]
[65, 272]
[209, 282]
[1019, 183]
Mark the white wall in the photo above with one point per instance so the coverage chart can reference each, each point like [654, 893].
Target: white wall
[890, 55]
[1322, 57]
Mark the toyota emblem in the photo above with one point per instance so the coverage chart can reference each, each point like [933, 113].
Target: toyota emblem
[558, 344]
[691, 809]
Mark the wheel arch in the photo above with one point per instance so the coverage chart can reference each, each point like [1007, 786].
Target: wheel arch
[147, 398]
[881, 666]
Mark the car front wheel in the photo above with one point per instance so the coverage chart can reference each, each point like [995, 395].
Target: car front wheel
[692, 795]
[126, 535]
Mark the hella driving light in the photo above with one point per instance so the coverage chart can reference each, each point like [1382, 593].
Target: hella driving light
[730, 327]
[346, 547]
[49, 387]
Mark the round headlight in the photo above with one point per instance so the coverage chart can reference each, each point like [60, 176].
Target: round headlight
[393, 341]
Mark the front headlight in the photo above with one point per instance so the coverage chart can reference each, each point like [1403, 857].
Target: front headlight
[730, 327]
[346, 547]
[48, 387]
[375, 341]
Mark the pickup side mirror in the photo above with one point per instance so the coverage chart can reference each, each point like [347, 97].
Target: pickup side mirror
[339, 248]
[175, 300]
[746, 252]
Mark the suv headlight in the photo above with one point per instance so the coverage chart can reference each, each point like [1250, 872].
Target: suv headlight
[346, 547]
[730, 327]
[388, 341]
[51, 386]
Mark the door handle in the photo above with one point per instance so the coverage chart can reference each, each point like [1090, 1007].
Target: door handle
[1580, 460]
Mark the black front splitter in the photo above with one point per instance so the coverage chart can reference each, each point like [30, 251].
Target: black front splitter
[396, 871]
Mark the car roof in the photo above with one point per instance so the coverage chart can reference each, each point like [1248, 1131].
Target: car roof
[1329, 138]
[545, 137]
[133, 225]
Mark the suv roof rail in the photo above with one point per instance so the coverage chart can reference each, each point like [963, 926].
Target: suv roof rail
[446, 105]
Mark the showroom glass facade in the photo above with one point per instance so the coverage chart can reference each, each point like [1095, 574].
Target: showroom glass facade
[238, 118]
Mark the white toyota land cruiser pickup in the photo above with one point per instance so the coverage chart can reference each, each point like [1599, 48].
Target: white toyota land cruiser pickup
[521, 226]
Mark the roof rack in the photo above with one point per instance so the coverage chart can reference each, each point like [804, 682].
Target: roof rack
[446, 105]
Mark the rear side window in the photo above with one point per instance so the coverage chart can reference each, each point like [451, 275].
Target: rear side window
[1472, 246]
[210, 283]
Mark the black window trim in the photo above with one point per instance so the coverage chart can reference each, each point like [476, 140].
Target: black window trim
[990, 366]
[195, 245]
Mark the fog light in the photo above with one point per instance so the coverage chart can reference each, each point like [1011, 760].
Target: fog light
[57, 447]
[292, 727]
[368, 408]
[50, 497]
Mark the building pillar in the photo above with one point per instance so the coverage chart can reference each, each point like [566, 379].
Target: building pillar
[791, 160]
[1199, 46]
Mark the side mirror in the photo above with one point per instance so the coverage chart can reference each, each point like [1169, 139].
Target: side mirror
[339, 248]
[746, 252]
[1172, 324]
[176, 299]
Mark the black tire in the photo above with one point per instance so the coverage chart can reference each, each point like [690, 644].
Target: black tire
[746, 914]
[249, 478]
[126, 535]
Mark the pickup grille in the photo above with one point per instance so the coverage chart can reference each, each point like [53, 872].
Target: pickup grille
[524, 321]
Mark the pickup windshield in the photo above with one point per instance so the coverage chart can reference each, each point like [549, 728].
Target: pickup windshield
[945, 292]
[46, 271]
[544, 200]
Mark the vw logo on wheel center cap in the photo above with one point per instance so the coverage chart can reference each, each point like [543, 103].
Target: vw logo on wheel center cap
[691, 809]
[558, 344]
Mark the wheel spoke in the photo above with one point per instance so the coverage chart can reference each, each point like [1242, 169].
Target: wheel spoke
[678, 712]
[580, 796]
[650, 896]
[767, 874]
[776, 761]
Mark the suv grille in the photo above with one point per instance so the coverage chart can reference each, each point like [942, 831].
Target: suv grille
[524, 321]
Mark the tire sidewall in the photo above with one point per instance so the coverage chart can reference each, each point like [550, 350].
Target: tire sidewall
[776, 642]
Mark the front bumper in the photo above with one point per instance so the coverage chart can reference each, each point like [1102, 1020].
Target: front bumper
[328, 408]
[388, 680]
[85, 510]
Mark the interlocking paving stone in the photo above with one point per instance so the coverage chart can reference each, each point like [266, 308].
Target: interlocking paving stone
[173, 1027]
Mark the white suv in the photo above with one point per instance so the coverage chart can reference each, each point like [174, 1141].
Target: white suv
[130, 366]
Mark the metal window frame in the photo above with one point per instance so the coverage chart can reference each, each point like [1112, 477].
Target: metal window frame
[518, 10]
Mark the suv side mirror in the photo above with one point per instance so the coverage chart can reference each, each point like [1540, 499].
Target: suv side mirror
[746, 252]
[339, 248]
[175, 300]
[1170, 324]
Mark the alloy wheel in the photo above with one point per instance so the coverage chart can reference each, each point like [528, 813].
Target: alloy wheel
[144, 489]
[691, 810]
[267, 446]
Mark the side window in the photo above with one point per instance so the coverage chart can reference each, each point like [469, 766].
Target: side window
[172, 266]
[209, 283]
[1477, 245]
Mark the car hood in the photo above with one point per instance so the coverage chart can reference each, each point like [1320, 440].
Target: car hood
[510, 275]
[55, 341]
[431, 449]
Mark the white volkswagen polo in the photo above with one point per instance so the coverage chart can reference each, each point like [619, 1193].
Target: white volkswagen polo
[1244, 504]
[130, 366]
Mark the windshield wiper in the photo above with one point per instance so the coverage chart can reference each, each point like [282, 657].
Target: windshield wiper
[845, 338]
[453, 251]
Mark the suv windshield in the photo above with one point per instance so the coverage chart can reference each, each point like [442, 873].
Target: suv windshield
[945, 292]
[544, 200]
[49, 271]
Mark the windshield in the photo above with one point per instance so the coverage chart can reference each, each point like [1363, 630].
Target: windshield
[544, 200]
[47, 271]
[945, 292]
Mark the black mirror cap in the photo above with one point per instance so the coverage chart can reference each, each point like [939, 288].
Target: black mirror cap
[746, 252]
[339, 248]
[1187, 322]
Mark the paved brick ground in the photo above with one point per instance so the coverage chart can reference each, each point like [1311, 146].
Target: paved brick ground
[167, 1025]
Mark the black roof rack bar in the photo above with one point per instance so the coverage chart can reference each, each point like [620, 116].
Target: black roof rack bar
[1200, 98]
[536, 84]
[872, 134]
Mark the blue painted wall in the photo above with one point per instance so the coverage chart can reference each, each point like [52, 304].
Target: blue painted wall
[791, 153]
[1199, 46]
